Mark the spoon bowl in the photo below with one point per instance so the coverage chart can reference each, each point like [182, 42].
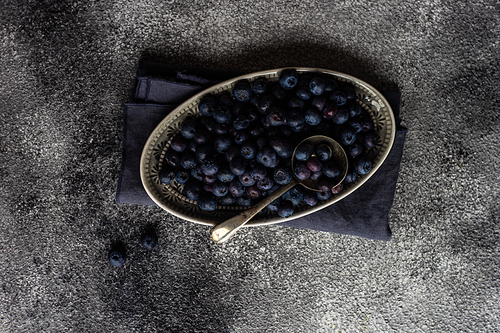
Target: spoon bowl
[223, 231]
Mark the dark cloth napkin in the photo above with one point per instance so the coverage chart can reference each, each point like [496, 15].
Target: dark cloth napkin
[161, 87]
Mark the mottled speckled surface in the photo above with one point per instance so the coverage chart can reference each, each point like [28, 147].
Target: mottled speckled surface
[66, 68]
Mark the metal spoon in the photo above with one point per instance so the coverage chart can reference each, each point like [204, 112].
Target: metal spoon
[223, 231]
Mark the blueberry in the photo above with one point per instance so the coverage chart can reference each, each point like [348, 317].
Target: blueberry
[238, 108]
[282, 147]
[265, 184]
[356, 124]
[179, 143]
[295, 118]
[303, 93]
[330, 85]
[149, 240]
[258, 172]
[226, 99]
[324, 152]
[207, 201]
[325, 184]
[244, 200]
[351, 175]
[302, 172]
[324, 195]
[296, 102]
[259, 86]
[172, 158]
[354, 150]
[246, 179]
[241, 137]
[237, 166]
[294, 195]
[232, 152]
[276, 116]
[314, 164]
[192, 147]
[267, 157]
[166, 176]
[253, 192]
[330, 110]
[370, 139]
[222, 114]
[236, 188]
[248, 150]
[188, 161]
[368, 124]
[188, 128]
[209, 167]
[285, 209]
[220, 189]
[241, 123]
[192, 189]
[207, 187]
[196, 173]
[209, 179]
[208, 123]
[207, 105]
[330, 169]
[117, 257]
[312, 117]
[337, 189]
[354, 109]
[181, 177]
[201, 136]
[278, 92]
[227, 200]
[288, 78]
[317, 86]
[261, 142]
[265, 103]
[319, 102]
[338, 97]
[362, 165]
[282, 175]
[204, 151]
[341, 117]
[225, 175]
[349, 92]
[310, 198]
[257, 130]
[222, 143]
[347, 136]
[273, 206]
[242, 91]
[303, 152]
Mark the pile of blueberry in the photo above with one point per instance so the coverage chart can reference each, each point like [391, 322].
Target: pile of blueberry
[239, 150]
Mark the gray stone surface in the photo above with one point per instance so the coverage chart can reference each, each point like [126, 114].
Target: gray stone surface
[66, 68]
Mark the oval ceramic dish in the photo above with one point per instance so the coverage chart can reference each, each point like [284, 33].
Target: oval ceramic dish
[170, 197]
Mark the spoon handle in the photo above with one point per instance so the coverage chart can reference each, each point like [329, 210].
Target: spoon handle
[222, 232]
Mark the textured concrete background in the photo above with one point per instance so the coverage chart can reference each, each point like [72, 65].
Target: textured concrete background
[66, 68]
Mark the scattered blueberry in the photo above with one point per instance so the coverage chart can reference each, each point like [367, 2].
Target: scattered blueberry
[273, 206]
[179, 143]
[265, 184]
[295, 118]
[253, 192]
[330, 110]
[282, 147]
[172, 158]
[302, 172]
[337, 189]
[330, 85]
[351, 175]
[354, 109]
[149, 240]
[117, 257]
[204, 151]
[354, 150]
[258, 172]
[223, 143]
[209, 167]
[248, 150]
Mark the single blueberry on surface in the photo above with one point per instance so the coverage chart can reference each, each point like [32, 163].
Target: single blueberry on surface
[303, 152]
[242, 91]
[188, 128]
[285, 209]
[362, 165]
[324, 152]
[166, 176]
[207, 105]
[317, 86]
[282, 175]
[149, 240]
[222, 114]
[347, 136]
[312, 117]
[207, 201]
[182, 177]
[220, 189]
[341, 116]
[117, 257]
[288, 78]
[338, 97]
